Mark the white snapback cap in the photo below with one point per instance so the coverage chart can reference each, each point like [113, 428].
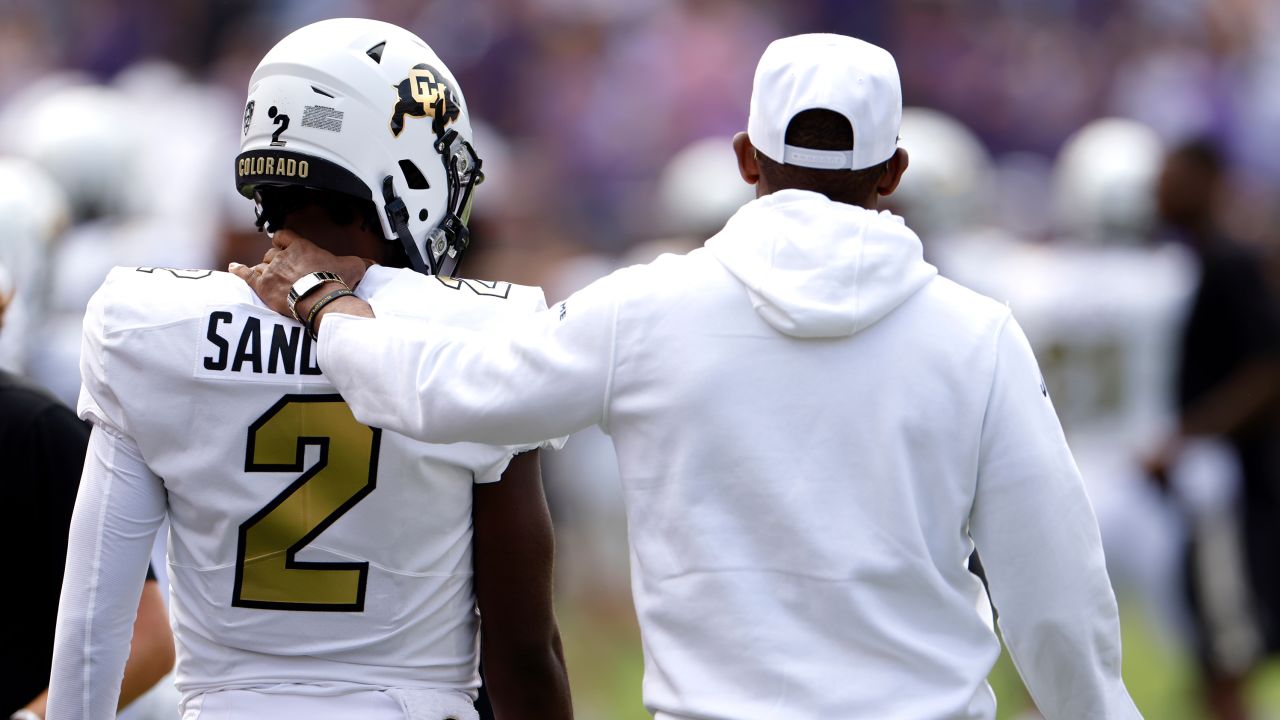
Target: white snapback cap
[828, 72]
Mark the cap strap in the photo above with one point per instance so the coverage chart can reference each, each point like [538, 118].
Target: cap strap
[817, 159]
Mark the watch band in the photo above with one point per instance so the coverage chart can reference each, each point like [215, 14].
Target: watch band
[25, 714]
[307, 284]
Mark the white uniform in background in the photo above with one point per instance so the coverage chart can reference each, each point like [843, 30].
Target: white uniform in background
[80, 262]
[813, 431]
[1103, 307]
[1105, 322]
[309, 555]
[33, 213]
[126, 195]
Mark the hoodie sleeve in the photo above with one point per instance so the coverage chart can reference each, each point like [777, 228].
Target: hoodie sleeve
[1039, 543]
[544, 378]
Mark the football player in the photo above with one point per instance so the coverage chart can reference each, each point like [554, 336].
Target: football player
[319, 568]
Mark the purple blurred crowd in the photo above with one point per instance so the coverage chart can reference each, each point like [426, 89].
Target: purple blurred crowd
[592, 96]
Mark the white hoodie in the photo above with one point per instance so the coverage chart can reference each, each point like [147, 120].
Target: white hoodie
[813, 430]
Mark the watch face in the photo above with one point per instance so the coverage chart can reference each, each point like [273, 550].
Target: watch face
[308, 283]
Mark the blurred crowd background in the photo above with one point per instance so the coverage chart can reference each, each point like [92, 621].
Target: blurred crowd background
[1038, 133]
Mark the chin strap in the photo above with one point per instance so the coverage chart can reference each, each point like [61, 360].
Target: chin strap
[398, 216]
[449, 240]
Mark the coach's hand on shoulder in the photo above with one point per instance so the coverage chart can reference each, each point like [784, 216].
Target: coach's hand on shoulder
[290, 257]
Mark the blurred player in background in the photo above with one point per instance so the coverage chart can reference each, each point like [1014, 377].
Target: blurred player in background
[1228, 387]
[87, 154]
[1101, 302]
[814, 430]
[1104, 339]
[698, 191]
[33, 215]
[42, 448]
[943, 196]
[125, 190]
[319, 568]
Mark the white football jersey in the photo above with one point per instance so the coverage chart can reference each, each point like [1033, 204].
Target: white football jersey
[304, 547]
[1104, 322]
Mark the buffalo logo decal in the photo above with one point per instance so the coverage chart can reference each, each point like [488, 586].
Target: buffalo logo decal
[248, 116]
[425, 93]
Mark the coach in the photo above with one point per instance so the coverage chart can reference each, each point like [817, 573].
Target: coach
[814, 430]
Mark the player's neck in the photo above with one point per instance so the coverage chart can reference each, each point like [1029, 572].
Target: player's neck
[342, 239]
[353, 241]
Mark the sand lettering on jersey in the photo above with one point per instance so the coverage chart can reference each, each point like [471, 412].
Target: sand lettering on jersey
[283, 350]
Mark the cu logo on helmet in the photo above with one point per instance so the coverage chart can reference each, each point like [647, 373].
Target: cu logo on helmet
[425, 93]
[248, 116]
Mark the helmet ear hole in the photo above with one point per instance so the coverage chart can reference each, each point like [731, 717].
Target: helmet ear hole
[422, 215]
[413, 176]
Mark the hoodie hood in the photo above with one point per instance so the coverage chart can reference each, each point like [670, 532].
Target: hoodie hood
[815, 268]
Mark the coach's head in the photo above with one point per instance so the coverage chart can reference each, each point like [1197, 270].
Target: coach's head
[825, 111]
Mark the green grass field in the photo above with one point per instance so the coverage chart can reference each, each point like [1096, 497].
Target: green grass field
[603, 652]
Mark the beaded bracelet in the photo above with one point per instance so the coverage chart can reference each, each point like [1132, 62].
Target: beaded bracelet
[315, 309]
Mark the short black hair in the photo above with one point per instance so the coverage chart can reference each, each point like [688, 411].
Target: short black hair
[820, 129]
[277, 202]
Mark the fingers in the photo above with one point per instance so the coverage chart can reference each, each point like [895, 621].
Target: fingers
[270, 255]
[283, 239]
[248, 274]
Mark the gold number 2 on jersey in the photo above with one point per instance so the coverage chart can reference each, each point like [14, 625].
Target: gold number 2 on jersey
[268, 574]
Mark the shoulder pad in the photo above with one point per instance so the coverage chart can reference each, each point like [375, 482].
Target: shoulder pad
[136, 297]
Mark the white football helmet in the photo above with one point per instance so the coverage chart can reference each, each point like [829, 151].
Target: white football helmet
[86, 136]
[944, 187]
[366, 108]
[33, 212]
[700, 189]
[1104, 182]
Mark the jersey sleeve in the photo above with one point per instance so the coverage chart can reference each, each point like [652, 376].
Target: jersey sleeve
[543, 377]
[1040, 546]
[470, 305]
[98, 402]
[120, 507]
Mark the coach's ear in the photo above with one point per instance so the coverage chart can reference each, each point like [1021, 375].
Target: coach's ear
[748, 166]
[894, 169]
